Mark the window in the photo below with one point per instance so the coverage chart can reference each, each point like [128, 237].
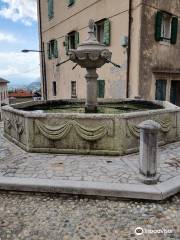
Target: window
[73, 89]
[52, 49]
[70, 2]
[54, 90]
[166, 27]
[100, 88]
[161, 90]
[103, 31]
[174, 92]
[50, 9]
[100, 31]
[71, 41]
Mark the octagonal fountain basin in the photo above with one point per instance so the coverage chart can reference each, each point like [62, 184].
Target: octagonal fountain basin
[64, 127]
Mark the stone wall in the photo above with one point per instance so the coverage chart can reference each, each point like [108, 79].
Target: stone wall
[158, 60]
[100, 134]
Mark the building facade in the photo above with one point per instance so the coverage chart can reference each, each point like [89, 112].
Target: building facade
[143, 36]
[4, 91]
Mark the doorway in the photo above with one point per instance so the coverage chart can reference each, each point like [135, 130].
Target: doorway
[175, 92]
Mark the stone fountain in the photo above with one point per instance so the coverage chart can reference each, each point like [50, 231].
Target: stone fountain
[107, 127]
[91, 55]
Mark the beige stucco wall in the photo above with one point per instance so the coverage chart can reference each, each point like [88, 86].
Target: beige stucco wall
[4, 91]
[146, 56]
[76, 17]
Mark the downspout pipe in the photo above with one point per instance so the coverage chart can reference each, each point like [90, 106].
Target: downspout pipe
[43, 60]
[129, 49]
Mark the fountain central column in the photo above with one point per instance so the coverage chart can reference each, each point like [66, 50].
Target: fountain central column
[91, 90]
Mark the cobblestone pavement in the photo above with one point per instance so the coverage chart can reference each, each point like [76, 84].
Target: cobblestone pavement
[14, 162]
[51, 217]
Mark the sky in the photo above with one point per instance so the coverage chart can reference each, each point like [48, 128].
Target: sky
[19, 30]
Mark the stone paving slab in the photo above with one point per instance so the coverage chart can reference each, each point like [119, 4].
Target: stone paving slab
[101, 173]
[82, 188]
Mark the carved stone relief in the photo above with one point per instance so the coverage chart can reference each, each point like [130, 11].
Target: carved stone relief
[16, 124]
[133, 130]
[61, 131]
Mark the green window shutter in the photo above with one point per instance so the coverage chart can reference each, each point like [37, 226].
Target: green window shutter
[76, 39]
[174, 30]
[107, 32]
[158, 26]
[50, 9]
[67, 44]
[55, 48]
[160, 90]
[100, 88]
[70, 2]
[49, 50]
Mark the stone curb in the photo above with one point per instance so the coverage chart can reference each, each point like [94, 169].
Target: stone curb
[137, 191]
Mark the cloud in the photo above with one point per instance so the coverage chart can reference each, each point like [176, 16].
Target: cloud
[21, 66]
[20, 10]
[7, 37]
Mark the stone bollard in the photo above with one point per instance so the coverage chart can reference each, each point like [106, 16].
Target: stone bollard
[148, 151]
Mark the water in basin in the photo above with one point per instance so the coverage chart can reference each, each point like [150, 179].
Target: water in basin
[118, 108]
